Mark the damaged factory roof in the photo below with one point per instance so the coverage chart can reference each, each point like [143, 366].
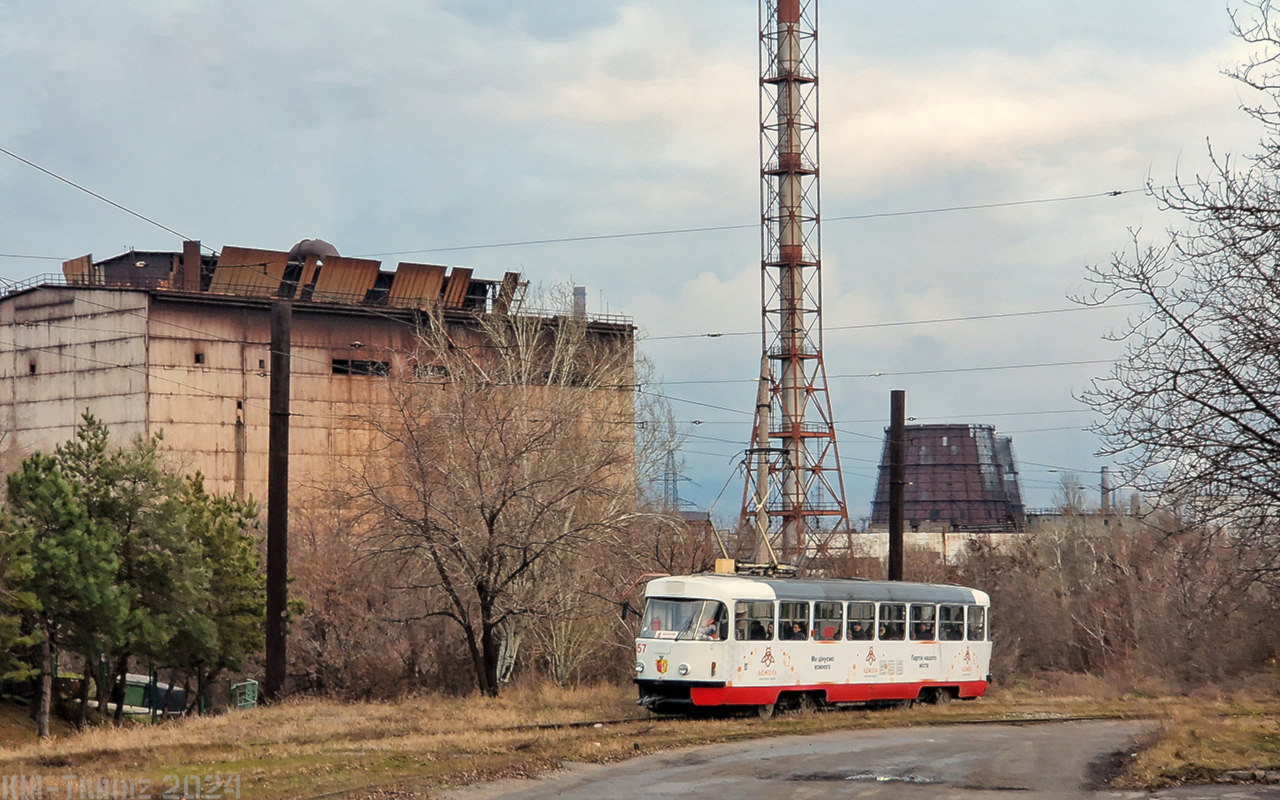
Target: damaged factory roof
[311, 272]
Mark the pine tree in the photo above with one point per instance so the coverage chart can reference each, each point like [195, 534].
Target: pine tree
[65, 564]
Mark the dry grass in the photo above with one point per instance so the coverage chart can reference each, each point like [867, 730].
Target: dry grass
[1230, 726]
[310, 747]
[1194, 747]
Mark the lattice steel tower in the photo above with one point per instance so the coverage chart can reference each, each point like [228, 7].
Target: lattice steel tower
[794, 493]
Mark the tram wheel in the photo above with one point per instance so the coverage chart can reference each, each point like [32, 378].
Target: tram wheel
[803, 705]
[766, 711]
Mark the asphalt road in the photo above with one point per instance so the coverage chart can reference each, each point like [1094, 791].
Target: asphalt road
[1062, 760]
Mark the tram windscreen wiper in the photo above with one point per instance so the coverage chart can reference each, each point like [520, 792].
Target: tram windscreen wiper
[688, 627]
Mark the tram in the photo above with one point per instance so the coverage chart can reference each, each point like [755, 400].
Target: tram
[738, 640]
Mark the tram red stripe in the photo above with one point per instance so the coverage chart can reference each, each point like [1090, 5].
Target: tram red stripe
[835, 692]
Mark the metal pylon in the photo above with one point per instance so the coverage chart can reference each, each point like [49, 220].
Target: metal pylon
[794, 488]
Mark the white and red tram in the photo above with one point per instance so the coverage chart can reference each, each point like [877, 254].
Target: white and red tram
[738, 640]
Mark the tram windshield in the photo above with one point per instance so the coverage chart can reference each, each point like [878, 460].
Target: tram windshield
[665, 618]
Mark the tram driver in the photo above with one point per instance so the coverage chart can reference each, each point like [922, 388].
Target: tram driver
[711, 629]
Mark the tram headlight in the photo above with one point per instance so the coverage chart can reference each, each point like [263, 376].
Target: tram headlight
[639, 667]
[683, 669]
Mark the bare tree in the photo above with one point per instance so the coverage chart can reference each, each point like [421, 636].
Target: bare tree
[1192, 410]
[507, 444]
[1070, 497]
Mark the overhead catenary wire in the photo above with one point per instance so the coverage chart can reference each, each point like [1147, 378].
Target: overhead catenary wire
[904, 323]
[754, 225]
[37, 258]
[941, 371]
[92, 193]
[591, 237]
[978, 415]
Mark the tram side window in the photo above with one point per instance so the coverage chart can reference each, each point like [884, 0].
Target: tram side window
[862, 621]
[753, 620]
[951, 623]
[923, 619]
[893, 621]
[793, 617]
[977, 623]
[827, 621]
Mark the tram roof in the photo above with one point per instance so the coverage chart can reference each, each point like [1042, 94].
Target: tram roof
[750, 586]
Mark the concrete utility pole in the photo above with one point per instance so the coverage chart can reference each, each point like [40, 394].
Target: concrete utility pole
[897, 478]
[278, 502]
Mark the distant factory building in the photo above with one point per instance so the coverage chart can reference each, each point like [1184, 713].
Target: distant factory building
[179, 342]
[960, 476]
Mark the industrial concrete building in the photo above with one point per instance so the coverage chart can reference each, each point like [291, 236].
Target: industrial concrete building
[963, 477]
[179, 342]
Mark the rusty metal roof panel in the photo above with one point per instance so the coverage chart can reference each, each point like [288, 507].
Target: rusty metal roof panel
[455, 293]
[507, 292]
[246, 271]
[416, 285]
[345, 280]
[78, 270]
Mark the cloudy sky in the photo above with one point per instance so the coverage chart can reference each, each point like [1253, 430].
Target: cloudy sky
[392, 126]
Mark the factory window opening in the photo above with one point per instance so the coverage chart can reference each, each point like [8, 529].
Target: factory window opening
[377, 296]
[351, 366]
[429, 371]
[262, 363]
[199, 357]
[31, 368]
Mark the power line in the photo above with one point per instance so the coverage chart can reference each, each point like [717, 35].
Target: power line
[975, 415]
[92, 193]
[944, 371]
[665, 396]
[980, 206]
[1058, 467]
[712, 228]
[981, 369]
[715, 335]
[38, 258]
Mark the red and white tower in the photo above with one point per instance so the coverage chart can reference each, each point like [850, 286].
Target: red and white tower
[794, 495]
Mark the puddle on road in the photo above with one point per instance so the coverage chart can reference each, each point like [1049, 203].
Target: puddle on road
[876, 777]
[872, 777]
